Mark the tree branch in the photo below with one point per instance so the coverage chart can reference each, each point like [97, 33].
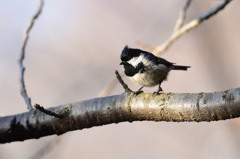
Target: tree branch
[42, 109]
[182, 16]
[22, 55]
[125, 86]
[120, 108]
[191, 25]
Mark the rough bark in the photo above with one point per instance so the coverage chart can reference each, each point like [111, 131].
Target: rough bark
[120, 108]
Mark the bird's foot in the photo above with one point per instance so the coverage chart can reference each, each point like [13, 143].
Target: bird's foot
[138, 91]
[158, 91]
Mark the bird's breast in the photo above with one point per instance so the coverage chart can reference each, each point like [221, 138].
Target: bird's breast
[151, 76]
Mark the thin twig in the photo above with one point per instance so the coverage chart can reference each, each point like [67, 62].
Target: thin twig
[191, 25]
[182, 15]
[125, 86]
[213, 11]
[108, 89]
[22, 55]
[48, 112]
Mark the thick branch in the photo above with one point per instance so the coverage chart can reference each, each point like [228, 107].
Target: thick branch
[120, 108]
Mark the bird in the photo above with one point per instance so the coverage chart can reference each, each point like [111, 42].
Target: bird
[146, 69]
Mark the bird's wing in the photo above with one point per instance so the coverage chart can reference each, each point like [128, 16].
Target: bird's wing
[163, 61]
[157, 60]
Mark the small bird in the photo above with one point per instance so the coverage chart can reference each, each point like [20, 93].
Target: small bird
[145, 69]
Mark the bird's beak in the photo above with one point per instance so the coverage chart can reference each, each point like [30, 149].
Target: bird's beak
[122, 63]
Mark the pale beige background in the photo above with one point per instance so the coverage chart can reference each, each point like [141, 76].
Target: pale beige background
[73, 51]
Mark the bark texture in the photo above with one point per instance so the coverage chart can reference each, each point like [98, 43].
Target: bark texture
[120, 108]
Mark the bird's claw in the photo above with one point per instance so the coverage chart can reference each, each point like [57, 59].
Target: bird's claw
[158, 91]
[138, 91]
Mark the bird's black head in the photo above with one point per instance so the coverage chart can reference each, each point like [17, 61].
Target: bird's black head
[128, 54]
[125, 56]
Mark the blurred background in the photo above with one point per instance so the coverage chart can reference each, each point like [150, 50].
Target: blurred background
[73, 51]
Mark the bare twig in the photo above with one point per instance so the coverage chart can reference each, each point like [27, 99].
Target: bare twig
[191, 25]
[178, 25]
[108, 89]
[22, 55]
[125, 86]
[48, 112]
[182, 15]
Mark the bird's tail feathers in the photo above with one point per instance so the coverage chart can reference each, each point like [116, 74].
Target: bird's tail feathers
[177, 67]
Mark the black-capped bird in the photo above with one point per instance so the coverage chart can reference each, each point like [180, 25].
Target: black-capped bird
[145, 69]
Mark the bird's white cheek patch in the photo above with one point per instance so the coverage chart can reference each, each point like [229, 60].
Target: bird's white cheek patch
[136, 60]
